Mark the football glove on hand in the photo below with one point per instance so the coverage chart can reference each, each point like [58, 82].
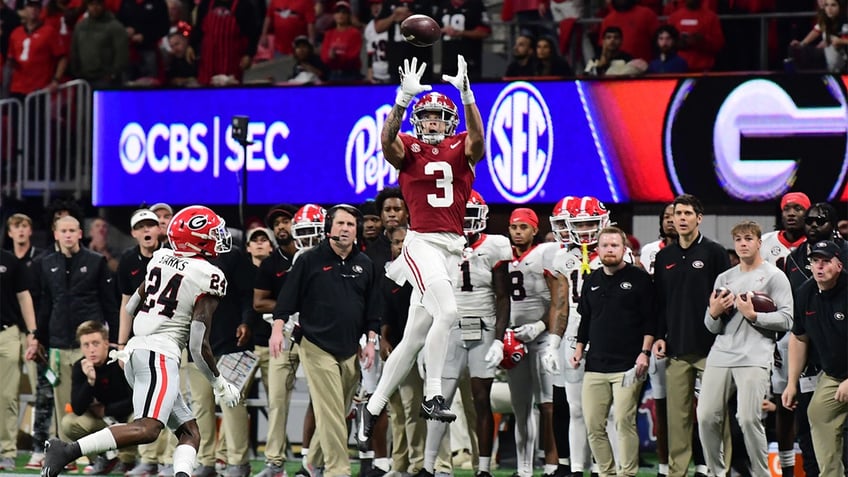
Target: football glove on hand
[550, 361]
[495, 354]
[226, 393]
[460, 81]
[530, 331]
[410, 82]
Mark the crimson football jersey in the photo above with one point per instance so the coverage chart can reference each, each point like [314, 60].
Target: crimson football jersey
[436, 183]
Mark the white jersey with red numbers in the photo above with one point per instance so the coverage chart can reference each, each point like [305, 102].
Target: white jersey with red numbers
[649, 254]
[569, 263]
[472, 275]
[173, 285]
[776, 247]
[529, 289]
[436, 183]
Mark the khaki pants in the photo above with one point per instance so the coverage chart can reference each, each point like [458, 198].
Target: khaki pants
[332, 384]
[600, 391]
[77, 427]
[62, 389]
[827, 416]
[160, 451]
[408, 429]
[235, 425]
[10, 375]
[278, 376]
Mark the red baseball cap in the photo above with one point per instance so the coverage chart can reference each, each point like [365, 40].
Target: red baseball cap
[799, 198]
[523, 214]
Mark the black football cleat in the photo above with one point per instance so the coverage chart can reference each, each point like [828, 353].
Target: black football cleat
[57, 454]
[435, 409]
[364, 425]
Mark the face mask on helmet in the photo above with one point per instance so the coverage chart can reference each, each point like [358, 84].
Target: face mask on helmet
[434, 108]
[307, 234]
[475, 218]
[585, 230]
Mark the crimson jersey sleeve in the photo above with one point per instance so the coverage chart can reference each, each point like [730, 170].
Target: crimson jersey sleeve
[436, 183]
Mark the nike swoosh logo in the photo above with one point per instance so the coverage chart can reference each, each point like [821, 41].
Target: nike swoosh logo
[328, 267]
[395, 290]
[428, 409]
[134, 272]
[54, 269]
[808, 313]
[794, 269]
[595, 288]
[453, 146]
[279, 274]
[670, 266]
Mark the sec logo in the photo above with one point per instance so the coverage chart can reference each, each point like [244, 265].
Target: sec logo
[519, 142]
[757, 138]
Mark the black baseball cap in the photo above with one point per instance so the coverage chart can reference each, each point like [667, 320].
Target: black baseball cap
[284, 210]
[826, 249]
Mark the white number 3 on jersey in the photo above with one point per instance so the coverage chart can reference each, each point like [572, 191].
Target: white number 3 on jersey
[445, 183]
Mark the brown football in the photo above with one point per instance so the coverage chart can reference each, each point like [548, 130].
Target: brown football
[420, 30]
[762, 302]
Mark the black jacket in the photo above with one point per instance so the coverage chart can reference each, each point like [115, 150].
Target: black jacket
[110, 388]
[73, 290]
[338, 299]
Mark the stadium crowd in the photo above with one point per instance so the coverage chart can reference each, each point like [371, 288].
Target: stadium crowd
[111, 43]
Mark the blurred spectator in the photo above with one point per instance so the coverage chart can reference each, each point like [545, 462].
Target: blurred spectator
[523, 58]
[308, 67]
[63, 15]
[465, 24]
[375, 44]
[178, 70]
[667, 59]
[147, 22]
[531, 16]
[100, 47]
[637, 24]
[342, 46]
[164, 212]
[224, 39]
[36, 53]
[813, 53]
[613, 61]
[177, 17]
[9, 20]
[842, 226]
[701, 37]
[287, 20]
[548, 61]
[98, 241]
[372, 224]
[391, 15]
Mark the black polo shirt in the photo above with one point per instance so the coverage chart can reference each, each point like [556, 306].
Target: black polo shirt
[616, 312]
[683, 281]
[132, 268]
[395, 308]
[338, 299]
[14, 278]
[821, 316]
[270, 276]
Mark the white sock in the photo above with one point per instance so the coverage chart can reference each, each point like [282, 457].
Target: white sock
[430, 460]
[702, 469]
[564, 461]
[484, 464]
[304, 451]
[433, 387]
[366, 455]
[99, 442]
[549, 469]
[382, 463]
[663, 469]
[787, 458]
[184, 457]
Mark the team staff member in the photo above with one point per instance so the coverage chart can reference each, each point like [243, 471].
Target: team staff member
[684, 274]
[617, 306]
[821, 305]
[334, 288]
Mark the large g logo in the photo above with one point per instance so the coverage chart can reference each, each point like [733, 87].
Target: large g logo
[519, 142]
[197, 222]
[758, 138]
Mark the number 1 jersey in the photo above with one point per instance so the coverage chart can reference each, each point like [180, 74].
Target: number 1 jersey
[173, 285]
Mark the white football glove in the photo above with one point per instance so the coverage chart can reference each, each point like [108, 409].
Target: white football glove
[226, 393]
[495, 354]
[550, 361]
[460, 81]
[410, 82]
[530, 331]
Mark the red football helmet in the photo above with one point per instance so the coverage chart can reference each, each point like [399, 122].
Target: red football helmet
[559, 226]
[513, 350]
[447, 113]
[586, 216]
[308, 225]
[198, 230]
[476, 213]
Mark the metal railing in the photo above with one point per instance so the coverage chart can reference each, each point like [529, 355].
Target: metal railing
[11, 141]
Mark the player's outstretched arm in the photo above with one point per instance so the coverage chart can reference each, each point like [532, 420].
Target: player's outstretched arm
[410, 86]
[474, 146]
[198, 342]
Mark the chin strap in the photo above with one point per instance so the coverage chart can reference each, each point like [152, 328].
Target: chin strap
[584, 266]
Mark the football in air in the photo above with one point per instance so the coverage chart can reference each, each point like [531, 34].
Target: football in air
[420, 30]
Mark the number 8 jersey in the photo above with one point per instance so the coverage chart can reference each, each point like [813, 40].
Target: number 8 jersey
[172, 285]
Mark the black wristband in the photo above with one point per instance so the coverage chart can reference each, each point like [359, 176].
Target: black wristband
[646, 352]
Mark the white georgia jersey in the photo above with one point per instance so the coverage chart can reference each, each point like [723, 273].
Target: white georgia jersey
[776, 248]
[529, 289]
[375, 44]
[649, 254]
[471, 275]
[568, 262]
[173, 285]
